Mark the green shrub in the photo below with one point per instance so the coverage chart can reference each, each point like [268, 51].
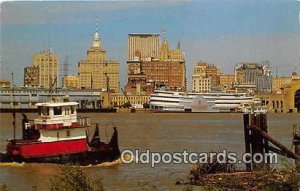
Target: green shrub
[72, 178]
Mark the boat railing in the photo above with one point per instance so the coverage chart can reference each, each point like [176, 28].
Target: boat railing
[83, 121]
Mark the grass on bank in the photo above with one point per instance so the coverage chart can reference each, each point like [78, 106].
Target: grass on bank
[224, 176]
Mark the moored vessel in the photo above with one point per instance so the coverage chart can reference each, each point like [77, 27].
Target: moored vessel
[171, 101]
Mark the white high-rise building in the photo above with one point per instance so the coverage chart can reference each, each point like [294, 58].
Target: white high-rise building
[143, 47]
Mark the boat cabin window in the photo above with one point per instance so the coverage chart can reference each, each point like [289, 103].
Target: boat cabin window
[72, 109]
[67, 110]
[42, 110]
[57, 111]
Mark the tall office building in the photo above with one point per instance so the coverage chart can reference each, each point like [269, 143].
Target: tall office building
[96, 72]
[227, 81]
[71, 82]
[47, 63]
[253, 76]
[205, 71]
[31, 76]
[201, 84]
[156, 73]
[164, 67]
[246, 73]
[143, 47]
[170, 55]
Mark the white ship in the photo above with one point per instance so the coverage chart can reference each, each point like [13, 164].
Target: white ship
[171, 101]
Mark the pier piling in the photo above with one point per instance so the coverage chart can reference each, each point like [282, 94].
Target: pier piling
[296, 142]
[255, 143]
[247, 133]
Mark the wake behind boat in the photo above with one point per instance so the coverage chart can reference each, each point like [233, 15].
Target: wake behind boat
[57, 135]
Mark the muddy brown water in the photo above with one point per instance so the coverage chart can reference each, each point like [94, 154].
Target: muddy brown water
[159, 132]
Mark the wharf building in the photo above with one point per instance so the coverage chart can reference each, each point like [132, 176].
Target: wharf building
[164, 68]
[278, 83]
[96, 72]
[285, 99]
[44, 70]
[121, 100]
[27, 97]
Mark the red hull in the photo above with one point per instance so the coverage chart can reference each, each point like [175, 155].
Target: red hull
[39, 149]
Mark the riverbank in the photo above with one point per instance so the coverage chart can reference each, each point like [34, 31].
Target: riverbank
[284, 179]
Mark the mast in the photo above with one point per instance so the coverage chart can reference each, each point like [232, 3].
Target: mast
[14, 104]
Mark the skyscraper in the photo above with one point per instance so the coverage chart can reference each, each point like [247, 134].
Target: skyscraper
[96, 72]
[31, 76]
[206, 77]
[165, 68]
[142, 46]
[170, 55]
[253, 76]
[47, 63]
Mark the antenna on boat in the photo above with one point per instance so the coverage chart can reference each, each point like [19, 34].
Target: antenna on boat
[14, 104]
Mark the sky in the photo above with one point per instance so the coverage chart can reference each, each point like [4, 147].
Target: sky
[220, 32]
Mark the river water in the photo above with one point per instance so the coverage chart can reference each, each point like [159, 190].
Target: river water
[159, 132]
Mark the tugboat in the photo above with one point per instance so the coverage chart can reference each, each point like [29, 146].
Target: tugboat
[57, 135]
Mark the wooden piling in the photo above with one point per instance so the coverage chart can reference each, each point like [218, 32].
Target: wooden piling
[247, 133]
[265, 142]
[254, 141]
[257, 141]
[297, 151]
[265, 129]
[259, 125]
[296, 142]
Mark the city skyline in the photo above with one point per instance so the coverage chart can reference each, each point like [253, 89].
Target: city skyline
[220, 33]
